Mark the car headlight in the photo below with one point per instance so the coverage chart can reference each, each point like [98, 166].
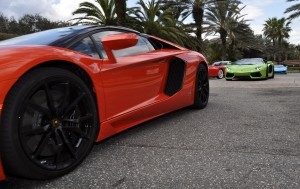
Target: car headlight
[258, 68]
[228, 69]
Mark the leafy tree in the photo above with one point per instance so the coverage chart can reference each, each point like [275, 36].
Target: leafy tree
[103, 13]
[157, 22]
[26, 24]
[221, 17]
[3, 23]
[277, 30]
[241, 38]
[185, 8]
[214, 50]
[294, 9]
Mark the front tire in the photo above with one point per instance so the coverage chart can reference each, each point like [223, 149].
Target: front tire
[201, 88]
[48, 125]
[272, 77]
[220, 74]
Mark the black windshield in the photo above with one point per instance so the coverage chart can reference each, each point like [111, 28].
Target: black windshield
[249, 61]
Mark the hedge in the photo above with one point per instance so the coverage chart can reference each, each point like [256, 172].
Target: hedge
[4, 36]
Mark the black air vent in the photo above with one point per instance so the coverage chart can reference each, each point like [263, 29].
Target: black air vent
[175, 76]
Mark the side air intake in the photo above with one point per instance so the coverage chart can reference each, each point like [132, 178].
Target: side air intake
[175, 76]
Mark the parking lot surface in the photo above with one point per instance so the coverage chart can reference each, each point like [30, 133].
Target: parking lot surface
[247, 137]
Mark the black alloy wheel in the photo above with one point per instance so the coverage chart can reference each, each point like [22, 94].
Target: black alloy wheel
[201, 88]
[50, 121]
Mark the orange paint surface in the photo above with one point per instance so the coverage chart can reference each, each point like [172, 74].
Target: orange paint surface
[2, 175]
[128, 91]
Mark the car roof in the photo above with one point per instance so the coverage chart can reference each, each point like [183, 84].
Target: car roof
[60, 37]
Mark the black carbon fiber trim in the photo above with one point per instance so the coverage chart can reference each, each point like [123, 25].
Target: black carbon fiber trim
[175, 76]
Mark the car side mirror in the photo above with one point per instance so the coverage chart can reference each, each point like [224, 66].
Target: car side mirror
[118, 42]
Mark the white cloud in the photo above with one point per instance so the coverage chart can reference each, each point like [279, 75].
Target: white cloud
[295, 34]
[52, 9]
[260, 3]
[65, 8]
[257, 11]
[18, 8]
[252, 12]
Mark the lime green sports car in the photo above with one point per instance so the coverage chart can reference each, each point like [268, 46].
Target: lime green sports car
[250, 68]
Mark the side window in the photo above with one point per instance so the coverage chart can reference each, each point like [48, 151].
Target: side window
[86, 46]
[98, 38]
[141, 47]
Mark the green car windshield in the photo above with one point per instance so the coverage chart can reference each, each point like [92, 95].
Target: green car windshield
[249, 61]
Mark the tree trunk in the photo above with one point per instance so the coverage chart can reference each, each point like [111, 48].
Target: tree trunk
[274, 50]
[223, 36]
[121, 12]
[198, 13]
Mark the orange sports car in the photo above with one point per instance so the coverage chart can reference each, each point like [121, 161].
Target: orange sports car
[64, 89]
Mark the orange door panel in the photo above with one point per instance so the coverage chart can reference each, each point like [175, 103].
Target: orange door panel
[133, 82]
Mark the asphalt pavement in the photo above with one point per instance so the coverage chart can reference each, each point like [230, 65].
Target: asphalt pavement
[247, 137]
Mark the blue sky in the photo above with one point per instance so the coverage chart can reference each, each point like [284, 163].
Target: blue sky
[257, 11]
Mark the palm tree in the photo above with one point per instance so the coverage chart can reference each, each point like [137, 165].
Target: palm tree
[121, 11]
[157, 22]
[185, 8]
[283, 29]
[270, 28]
[241, 38]
[221, 17]
[277, 30]
[103, 13]
[295, 10]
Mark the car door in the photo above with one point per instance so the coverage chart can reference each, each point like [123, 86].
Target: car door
[136, 80]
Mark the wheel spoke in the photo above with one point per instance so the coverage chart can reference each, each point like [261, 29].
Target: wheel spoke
[199, 85]
[50, 101]
[58, 154]
[71, 120]
[68, 144]
[42, 144]
[66, 99]
[58, 139]
[205, 90]
[40, 109]
[76, 130]
[203, 97]
[80, 119]
[86, 117]
[74, 103]
[35, 131]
